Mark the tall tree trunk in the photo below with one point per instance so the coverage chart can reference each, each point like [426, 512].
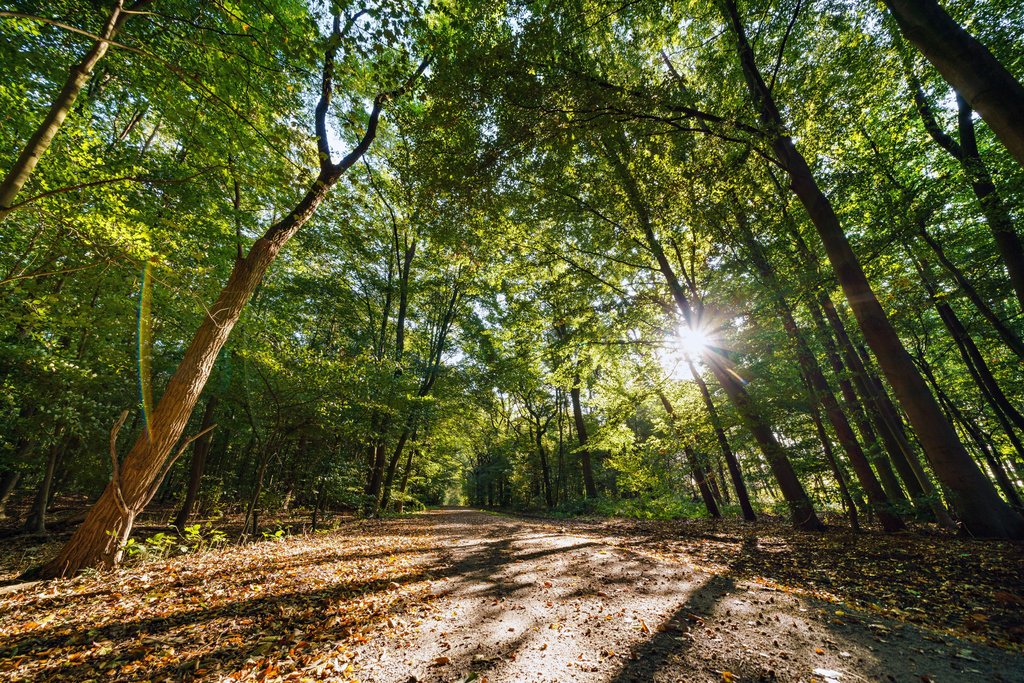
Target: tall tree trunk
[197, 466]
[581, 435]
[968, 66]
[99, 540]
[696, 467]
[837, 473]
[735, 474]
[408, 433]
[856, 405]
[821, 392]
[405, 480]
[801, 509]
[886, 417]
[984, 447]
[40, 141]
[973, 496]
[35, 522]
[976, 364]
[874, 400]
[375, 480]
[544, 467]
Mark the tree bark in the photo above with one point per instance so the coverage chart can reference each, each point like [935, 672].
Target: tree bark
[405, 480]
[975, 362]
[972, 494]
[700, 475]
[984, 447]
[968, 66]
[996, 213]
[830, 458]
[1009, 337]
[35, 522]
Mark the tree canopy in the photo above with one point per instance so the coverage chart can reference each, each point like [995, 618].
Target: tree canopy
[677, 258]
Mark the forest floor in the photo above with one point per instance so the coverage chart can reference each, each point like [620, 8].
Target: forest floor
[458, 595]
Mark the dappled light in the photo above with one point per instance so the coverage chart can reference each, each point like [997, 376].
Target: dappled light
[512, 340]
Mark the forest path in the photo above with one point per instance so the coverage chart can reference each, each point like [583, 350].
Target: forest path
[520, 600]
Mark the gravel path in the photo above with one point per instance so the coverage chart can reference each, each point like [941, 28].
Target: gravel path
[526, 601]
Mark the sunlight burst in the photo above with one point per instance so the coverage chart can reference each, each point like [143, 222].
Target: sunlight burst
[685, 345]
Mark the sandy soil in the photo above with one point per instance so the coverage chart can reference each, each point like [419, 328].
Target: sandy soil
[526, 601]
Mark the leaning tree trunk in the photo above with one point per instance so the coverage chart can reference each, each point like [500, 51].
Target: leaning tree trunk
[801, 509]
[995, 210]
[696, 467]
[968, 66]
[830, 458]
[975, 362]
[984, 447]
[98, 541]
[545, 468]
[730, 457]
[820, 391]
[1009, 337]
[972, 494]
[405, 481]
[886, 418]
[822, 394]
[40, 141]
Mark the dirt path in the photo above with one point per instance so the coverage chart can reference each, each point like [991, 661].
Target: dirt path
[524, 601]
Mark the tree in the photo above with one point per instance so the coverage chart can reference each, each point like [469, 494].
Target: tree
[100, 538]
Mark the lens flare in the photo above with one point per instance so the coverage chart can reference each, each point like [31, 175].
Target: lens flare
[145, 345]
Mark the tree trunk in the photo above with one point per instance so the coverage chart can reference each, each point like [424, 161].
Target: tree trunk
[830, 458]
[405, 481]
[973, 496]
[40, 141]
[730, 458]
[996, 213]
[545, 469]
[801, 510]
[197, 466]
[968, 66]
[375, 480]
[820, 392]
[864, 426]
[873, 398]
[984, 447]
[1009, 337]
[581, 434]
[886, 418]
[975, 362]
[8, 482]
[251, 520]
[35, 522]
[696, 468]
[92, 545]
[408, 432]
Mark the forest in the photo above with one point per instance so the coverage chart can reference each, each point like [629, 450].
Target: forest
[323, 319]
